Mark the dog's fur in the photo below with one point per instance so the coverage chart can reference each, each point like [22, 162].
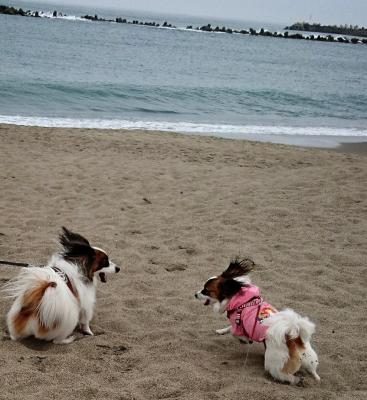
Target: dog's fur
[50, 301]
[287, 340]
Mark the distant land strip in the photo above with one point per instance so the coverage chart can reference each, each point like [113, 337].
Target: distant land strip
[205, 28]
[339, 30]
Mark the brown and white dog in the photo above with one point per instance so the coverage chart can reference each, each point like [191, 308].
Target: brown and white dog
[50, 301]
[285, 334]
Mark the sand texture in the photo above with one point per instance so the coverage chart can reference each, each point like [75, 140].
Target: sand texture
[171, 210]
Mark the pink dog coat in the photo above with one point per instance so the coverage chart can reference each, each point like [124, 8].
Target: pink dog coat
[246, 310]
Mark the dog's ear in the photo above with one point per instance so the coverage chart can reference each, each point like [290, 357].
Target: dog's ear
[238, 267]
[67, 237]
[75, 245]
[78, 250]
[229, 287]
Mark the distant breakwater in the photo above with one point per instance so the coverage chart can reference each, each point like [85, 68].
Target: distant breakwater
[205, 28]
[338, 30]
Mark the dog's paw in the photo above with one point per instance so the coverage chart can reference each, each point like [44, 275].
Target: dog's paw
[316, 377]
[85, 329]
[64, 341]
[223, 331]
[295, 380]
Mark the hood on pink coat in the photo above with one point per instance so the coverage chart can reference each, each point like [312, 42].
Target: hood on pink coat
[245, 294]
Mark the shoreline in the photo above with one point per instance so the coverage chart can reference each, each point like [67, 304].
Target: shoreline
[347, 144]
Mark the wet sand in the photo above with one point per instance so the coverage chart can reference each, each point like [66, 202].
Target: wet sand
[359, 148]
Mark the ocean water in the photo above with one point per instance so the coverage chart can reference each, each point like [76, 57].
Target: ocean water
[72, 72]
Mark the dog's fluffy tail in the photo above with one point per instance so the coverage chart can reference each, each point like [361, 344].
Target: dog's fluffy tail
[288, 346]
[41, 294]
[26, 279]
[287, 324]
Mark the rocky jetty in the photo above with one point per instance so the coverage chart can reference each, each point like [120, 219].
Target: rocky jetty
[167, 25]
[95, 18]
[120, 20]
[13, 11]
[209, 28]
[340, 30]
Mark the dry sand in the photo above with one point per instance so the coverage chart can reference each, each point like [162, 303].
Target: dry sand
[299, 213]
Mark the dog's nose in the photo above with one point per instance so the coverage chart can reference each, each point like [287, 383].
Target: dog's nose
[117, 269]
[196, 295]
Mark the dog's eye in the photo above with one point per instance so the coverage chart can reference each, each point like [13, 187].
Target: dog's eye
[205, 292]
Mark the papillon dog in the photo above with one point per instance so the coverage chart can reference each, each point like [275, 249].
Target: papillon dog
[51, 301]
[285, 334]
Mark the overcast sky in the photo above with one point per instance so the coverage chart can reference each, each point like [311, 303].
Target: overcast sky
[279, 11]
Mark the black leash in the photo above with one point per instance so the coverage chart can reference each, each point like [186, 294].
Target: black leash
[16, 264]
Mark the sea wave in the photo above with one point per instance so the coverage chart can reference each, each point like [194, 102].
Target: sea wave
[134, 101]
[220, 130]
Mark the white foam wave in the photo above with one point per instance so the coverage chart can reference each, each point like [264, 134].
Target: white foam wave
[221, 130]
[49, 14]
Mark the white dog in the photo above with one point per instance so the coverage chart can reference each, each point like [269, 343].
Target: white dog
[285, 334]
[50, 301]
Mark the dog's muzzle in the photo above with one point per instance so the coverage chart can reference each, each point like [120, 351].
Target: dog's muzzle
[201, 297]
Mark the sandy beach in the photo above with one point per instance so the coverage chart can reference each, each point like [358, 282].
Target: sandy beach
[171, 210]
